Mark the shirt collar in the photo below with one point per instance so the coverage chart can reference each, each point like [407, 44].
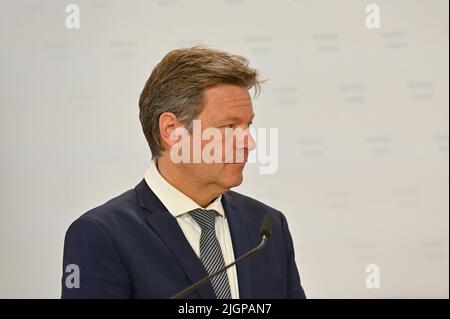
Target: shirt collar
[176, 202]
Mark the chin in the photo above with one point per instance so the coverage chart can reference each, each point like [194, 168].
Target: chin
[233, 180]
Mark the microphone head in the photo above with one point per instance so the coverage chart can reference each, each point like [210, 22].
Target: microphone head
[266, 226]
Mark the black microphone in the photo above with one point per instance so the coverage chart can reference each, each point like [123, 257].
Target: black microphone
[264, 233]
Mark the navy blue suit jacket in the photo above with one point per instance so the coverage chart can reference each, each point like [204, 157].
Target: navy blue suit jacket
[132, 247]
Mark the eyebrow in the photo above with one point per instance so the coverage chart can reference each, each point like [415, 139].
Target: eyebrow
[235, 118]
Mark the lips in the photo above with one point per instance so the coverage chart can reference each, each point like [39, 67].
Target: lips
[241, 162]
[245, 158]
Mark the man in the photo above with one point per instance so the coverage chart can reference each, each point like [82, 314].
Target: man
[182, 222]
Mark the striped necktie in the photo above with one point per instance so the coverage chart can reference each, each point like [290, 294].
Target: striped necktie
[210, 252]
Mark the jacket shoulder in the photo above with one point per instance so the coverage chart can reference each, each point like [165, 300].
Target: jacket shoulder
[114, 211]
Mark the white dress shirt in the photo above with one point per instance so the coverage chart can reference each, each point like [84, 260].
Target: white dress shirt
[179, 204]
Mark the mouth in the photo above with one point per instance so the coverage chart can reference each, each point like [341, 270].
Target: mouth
[243, 162]
[243, 158]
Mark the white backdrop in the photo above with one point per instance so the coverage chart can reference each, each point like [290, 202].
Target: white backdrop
[362, 116]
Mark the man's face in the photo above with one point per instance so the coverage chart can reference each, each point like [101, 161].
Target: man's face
[226, 107]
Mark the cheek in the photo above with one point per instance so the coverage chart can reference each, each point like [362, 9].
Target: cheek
[228, 146]
[225, 146]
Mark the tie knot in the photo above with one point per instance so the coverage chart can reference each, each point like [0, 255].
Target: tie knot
[205, 218]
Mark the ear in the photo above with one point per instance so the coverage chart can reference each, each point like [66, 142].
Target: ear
[167, 124]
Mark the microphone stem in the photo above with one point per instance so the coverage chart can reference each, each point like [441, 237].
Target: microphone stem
[207, 278]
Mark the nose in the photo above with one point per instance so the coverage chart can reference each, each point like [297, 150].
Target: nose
[250, 142]
[243, 142]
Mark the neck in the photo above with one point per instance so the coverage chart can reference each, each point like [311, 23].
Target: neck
[201, 194]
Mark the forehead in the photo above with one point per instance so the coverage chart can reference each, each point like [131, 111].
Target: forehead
[225, 101]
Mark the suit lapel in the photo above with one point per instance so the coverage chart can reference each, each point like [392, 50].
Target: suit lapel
[166, 226]
[241, 243]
